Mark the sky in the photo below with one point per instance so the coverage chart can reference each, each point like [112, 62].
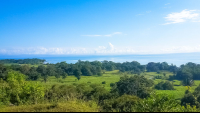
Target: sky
[99, 27]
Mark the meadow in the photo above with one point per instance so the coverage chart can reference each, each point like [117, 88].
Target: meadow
[114, 76]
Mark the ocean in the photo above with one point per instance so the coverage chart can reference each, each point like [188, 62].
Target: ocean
[175, 59]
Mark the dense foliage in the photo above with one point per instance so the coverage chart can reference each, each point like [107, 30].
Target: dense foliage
[134, 93]
[156, 67]
[81, 68]
[136, 85]
[23, 61]
[164, 86]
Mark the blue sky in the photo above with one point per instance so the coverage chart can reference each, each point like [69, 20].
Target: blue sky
[99, 26]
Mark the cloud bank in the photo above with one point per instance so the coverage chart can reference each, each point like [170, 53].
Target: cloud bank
[183, 16]
[110, 49]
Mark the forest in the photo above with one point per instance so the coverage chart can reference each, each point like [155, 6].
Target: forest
[23, 61]
[32, 85]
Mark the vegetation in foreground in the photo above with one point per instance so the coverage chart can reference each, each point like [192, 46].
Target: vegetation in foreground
[98, 86]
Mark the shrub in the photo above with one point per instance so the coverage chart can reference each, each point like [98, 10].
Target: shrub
[164, 86]
[89, 82]
[112, 84]
[18, 91]
[134, 85]
[104, 82]
[124, 103]
[188, 99]
[56, 93]
[98, 93]
[158, 77]
[69, 106]
[157, 103]
[99, 74]
[197, 91]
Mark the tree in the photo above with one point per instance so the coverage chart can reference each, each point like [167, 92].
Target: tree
[45, 78]
[42, 69]
[51, 70]
[99, 71]
[59, 72]
[136, 85]
[86, 71]
[24, 69]
[171, 78]
[64, 76]
[93, 70]
[187, 79]
[15, 67]
[77, 74]
[3, 72]
[33, 74]
[188, 98]
[164, 86]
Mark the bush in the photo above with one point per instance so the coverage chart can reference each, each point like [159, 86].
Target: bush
[112, 84]
[164, 86]
[104, 82]
[69, 106]
[123, 103]
[134, 85]
[89, 82]
[161, 103]
[56, 93]
[158, 77]
[99, 74]
[98, 93]
[188, 99]
[18, 91]
[197, 91]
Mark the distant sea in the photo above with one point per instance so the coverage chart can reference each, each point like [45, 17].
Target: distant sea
[176, 59]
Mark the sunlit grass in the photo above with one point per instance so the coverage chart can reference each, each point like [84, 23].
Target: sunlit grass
[114, 76]
[68, 106]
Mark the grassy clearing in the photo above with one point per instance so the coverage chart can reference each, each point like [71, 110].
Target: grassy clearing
[69, 106]
[108, 77]
[114, 76]
[9, 64]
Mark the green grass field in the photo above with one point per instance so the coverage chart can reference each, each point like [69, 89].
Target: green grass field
[69, 106]
[114, 76]
[108, 77]
[9, 64]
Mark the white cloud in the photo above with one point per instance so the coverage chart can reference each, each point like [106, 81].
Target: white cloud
[139, 14]
[143, 13]
[109, 49]
[148, 11]
[183, 16]
[111, 46]
[115, 33]
[167, 3]
[108, 35]
[91, 35]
